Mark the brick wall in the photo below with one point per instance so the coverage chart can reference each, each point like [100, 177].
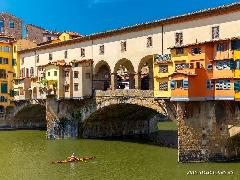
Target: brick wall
[17, 30]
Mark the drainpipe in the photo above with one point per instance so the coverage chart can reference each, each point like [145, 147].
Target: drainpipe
[92, 69]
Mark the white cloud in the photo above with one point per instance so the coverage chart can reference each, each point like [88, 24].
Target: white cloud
[96, 2]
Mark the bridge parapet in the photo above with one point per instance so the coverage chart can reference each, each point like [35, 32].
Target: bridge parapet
[125, 93]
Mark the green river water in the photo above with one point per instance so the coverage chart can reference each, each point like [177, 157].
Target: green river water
[27, 155]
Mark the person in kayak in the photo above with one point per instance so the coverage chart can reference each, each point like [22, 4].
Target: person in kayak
[73, 158]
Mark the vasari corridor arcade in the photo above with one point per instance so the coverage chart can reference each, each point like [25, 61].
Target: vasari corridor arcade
[184, 68]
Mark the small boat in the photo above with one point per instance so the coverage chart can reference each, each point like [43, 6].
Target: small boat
[82, 159]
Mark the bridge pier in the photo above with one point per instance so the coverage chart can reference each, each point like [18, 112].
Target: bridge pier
[205, 131]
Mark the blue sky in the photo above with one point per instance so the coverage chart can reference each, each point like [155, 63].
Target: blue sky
[90, 16]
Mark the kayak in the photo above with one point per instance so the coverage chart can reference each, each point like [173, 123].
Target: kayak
[82, 159]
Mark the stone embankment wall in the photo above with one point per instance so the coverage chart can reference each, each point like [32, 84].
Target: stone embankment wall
[204, 133]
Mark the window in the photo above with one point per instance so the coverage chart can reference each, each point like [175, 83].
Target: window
[49, 73]
[75, 74]
[66, 54]
[215, 32]
[3, 73]
[6, 49]
[163, 68]
[237, 86]
[22, 72]
[225, 65]
[76, 64]
[67, 88]
[49, 38]
[11, 24]
[149, 42]
[3, 60]
[209, 67]
[27, 72]
[101, 49]
[55, 73]
[196, 50]
[50, 56]
[222, 46]
[179, 38]
[191, 65]
[1, 26]
[179, 51]
[198, 65]
[223, 85]
[75, 86]
[163, 86]
[37, 58]
[123, 46]
[237, 64]
[66, 73]
[82, 52]
[4, 88]
[31, 71]
[209, 85]
[88, 75]
[181, 66]
[179, 83]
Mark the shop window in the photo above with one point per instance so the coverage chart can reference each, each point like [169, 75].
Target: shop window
[215, 32]
[163, 68]
[178, 38]
[163, 86]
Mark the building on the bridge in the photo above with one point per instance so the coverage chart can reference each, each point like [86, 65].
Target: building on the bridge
[133, 48]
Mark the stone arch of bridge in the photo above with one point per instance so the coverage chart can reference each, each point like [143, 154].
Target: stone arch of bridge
[100, 103]
[123, 75]
[30, 115]
[102, 76]
[111, 118]
[144, 78]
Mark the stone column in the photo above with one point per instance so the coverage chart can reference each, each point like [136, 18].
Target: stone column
[114, 81]
[137, 78]
[131, 81]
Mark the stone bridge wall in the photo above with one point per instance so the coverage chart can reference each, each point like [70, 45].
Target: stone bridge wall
[71, 114]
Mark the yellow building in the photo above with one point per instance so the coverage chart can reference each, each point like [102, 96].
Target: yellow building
[6, 72]
[163, 68]
[68, 35]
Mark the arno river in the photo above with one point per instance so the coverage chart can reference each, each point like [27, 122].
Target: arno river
[27, 155]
